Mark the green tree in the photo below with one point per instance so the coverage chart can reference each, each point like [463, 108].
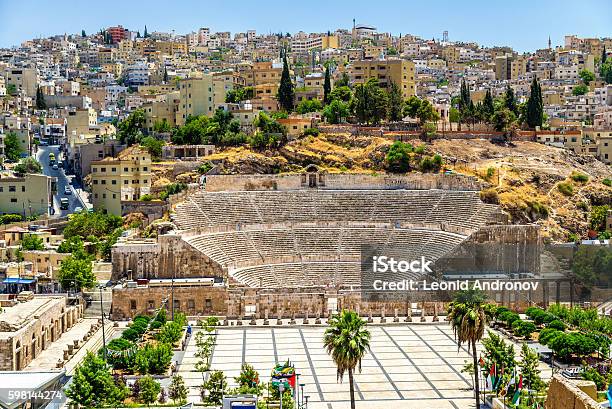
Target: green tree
[12, 147]
[326, 86]
[148, 389]
[427, 113]
[153, 146]
[32, 242]
[347, 340]
[93, 386]
[604, 55]
[216, 386]
[129, 130]
[177, 390]
[248, 380]
[488, 108]
[535, 107]
[75, 273]
[286, 93]
[510, 100]
[503, 119]
[343, 81]
[306, 106]
[468, 321]
[336, 111]
[146, 33]
[398, 157]
[83, 34]
[586, 76]
[580, 89]
[411, 106]
[396, 103]
[28, 165]
[370, 102]
[97, 224]
[341, 93]
[530, 368]
[40, 99]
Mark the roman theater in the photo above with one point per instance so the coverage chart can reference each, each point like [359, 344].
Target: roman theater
[286, 246]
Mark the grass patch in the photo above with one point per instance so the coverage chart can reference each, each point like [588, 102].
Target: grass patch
[566, 188]
[607, 182]
[579, 177]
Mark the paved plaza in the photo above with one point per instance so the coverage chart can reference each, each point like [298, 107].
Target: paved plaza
[410, 365]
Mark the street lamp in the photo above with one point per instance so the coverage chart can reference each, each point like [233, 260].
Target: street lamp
[103, 332]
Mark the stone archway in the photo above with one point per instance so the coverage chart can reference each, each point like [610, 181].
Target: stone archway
[313, 177]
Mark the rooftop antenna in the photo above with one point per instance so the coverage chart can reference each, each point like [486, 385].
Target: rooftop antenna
[445, 36]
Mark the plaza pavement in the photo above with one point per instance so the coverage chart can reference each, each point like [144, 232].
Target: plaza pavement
[409, 366]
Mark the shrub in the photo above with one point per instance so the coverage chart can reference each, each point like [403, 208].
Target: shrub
[10, 218]
[565, 188]
[579, 177]
[130, 334]
[524, 328]
[161, 316]
[170, 333]
[556, 324]
[153, 359]
[156, 325]
[141, 317]
[508, 317]
[489, 196]
[139, 327]
[119, 361]
[547, 335]
[607, 182]
[146, 198]
[420, 149]
[532, 311]
[204, 168]
[312, 132]
[592, 374]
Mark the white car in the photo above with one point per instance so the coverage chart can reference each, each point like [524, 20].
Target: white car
[67, 190]
[78, 209]
[55, 167]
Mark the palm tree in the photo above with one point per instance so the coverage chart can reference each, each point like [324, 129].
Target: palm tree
[347, 341]
[468, 320]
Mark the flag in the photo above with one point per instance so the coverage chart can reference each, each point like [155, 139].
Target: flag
[511, 382]
[517, 395]
[491, 378]
[481, 362]
[499, 379]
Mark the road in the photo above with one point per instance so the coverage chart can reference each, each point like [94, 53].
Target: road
[42, 155]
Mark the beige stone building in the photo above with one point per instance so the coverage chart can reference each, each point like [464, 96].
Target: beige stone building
[124, 178]
[28, 328]
[196, 98]
[28, 195]
[399, 72]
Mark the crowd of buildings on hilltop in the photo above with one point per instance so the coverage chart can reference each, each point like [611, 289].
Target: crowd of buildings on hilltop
[90, 82]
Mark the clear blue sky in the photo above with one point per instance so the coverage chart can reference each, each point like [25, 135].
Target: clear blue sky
[522, 24]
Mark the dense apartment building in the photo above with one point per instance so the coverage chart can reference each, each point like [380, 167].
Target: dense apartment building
[196, 98]
[126, 177]
[28, 195]
[386, 72]
[24, 79]
[510, 67]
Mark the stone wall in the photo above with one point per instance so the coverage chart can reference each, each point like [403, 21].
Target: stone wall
[501, 249]
[153, 210]
[169, 257]
[191, 300]
[216, 183]
[565, 394]
[20, 347]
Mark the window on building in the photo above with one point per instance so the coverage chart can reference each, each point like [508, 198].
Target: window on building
[191, 304]
[12, 189]
[23, 188]
[208, 303]
[132, 304]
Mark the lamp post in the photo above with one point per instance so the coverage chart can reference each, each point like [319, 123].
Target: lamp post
[103, 332]
[281, 389]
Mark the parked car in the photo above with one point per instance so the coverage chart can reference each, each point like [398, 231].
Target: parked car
[78, 209]
[67, 190]
[64, 203]
[55, 167]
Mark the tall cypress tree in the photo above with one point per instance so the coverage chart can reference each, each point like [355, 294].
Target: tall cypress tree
[146, 33]
[510, 100]
[487, 106]
[535, 107]
[285, 89]
[326, 86]
[165, 75]
[604, 55]
[40, 99]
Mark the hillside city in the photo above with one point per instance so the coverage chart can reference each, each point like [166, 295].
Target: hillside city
[189, 220]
